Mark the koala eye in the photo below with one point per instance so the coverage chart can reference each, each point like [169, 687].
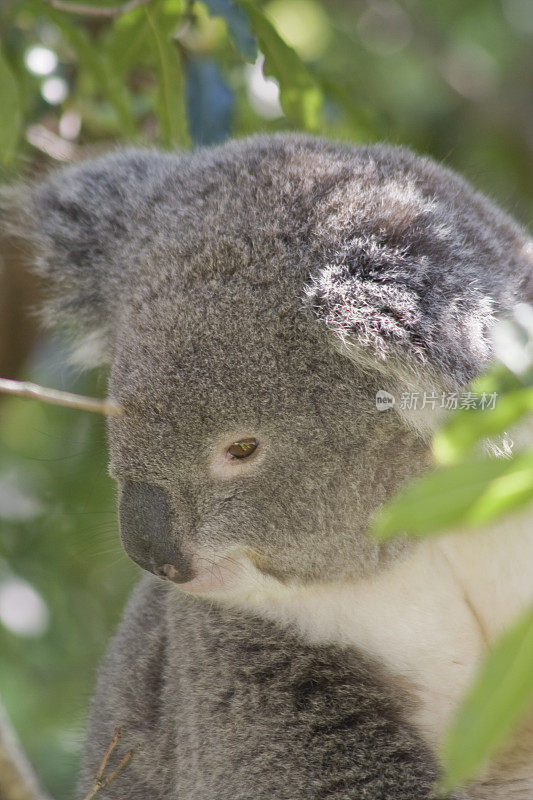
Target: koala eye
[243, 448]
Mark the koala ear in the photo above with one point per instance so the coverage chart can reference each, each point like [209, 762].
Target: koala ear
[80, 224]
[415, 294]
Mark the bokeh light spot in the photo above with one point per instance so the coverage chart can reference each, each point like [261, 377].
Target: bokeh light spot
[54, 90]
[17, 501]
[384, 28]
[471, 71]
[40, 60]
[519, 14]
[70, 125]
[22, 609]
[263, 93]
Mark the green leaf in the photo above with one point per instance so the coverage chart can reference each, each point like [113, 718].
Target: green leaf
[467, 427]
[128, 41]
[171, 85]
[468, 494]
[11, 113]
[300, 95]
[500, 697]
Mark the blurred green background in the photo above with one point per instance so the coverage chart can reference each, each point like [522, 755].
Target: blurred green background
[445, 77]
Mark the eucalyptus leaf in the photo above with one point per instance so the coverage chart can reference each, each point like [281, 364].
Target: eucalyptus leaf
[11, 113]
[467, 494]
[128, 41]
[300, 95]
[171, 85]
[500, 697]
[467, 427]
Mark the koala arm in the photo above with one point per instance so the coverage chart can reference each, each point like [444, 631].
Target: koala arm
[223, 706]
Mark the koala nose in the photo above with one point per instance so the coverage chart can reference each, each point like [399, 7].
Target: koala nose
[146, 533]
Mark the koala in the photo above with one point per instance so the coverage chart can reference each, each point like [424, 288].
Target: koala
[250, 301]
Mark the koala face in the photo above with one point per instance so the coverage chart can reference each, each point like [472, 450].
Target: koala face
[251, 300]
[296, 501]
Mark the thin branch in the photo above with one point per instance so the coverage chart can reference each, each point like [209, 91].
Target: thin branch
[112, 744]
[17, 778]
[100, 782]
[96, 11]
[103, 782]
[25, 389]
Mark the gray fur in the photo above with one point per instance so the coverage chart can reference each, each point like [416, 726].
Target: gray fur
[225, 289]
[224, 706]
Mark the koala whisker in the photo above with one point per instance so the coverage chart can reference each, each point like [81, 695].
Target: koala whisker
[87, 512]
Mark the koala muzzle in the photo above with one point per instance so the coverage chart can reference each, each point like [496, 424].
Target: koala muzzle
[146, 531]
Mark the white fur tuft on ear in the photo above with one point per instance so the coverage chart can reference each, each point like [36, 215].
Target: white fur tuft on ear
[420, 269]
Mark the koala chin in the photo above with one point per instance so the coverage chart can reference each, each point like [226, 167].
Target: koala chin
[252, 301]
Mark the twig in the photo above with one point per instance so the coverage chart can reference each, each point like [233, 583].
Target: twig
[17, 778]
[25, 389]
[112, 744]
[96, 11]
[101, 782]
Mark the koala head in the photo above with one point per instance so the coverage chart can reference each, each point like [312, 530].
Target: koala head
[250, 301]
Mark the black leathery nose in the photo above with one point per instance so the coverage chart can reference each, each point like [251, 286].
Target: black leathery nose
[146, 531]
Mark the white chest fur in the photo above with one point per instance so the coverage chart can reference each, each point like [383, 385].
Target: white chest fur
[430, 618]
